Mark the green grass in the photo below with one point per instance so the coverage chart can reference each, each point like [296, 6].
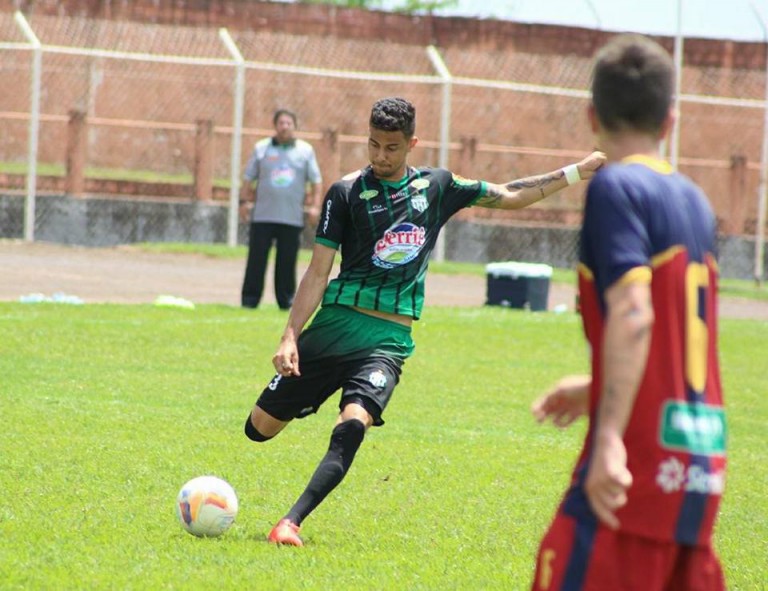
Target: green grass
[221, 251]
[108, 409]
[113, 174]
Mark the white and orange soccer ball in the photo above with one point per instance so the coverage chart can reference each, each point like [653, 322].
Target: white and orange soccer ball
[206, 506]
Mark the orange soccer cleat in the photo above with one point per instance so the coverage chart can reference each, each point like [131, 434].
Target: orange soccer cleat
[285, 532]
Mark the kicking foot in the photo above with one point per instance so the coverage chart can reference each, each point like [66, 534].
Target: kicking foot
[285, 532]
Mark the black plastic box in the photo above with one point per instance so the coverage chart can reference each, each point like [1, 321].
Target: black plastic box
[518, 285]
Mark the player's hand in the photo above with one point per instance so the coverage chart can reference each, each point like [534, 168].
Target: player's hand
[313, 214]
[244, 210]
[286, 360]
[565, 402]
[608, 479]
[590, 165]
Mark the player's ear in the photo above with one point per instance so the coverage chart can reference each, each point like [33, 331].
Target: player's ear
[412, 143]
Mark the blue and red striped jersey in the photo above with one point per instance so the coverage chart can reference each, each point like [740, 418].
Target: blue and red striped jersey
[642, 221]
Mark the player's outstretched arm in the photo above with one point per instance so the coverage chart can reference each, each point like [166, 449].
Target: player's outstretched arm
[565, 402]
[308, 297]
[523, 192]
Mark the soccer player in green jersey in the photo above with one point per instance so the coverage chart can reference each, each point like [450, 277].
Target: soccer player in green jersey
[385, 219]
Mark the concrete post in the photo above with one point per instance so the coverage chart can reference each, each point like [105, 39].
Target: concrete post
[76, 156]
[737, 184]
[467, 155]
[204, 159]
[329, 156]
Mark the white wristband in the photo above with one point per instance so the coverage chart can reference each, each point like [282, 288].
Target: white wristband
[571, 173]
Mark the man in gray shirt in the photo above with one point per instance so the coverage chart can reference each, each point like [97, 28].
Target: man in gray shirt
[287, 179]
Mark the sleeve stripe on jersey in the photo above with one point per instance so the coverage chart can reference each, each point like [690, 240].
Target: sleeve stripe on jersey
[636, 275]
[483, 192]
[585, 271]
[328, 243]
[667, 255]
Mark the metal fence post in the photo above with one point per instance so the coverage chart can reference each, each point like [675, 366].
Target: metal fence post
[674, 144]
[34, 126]
[445, 129]
[762, 191]
[237, 136]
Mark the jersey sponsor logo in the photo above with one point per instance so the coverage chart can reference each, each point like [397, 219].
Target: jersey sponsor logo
[378, 379]
[462, 182]
[693, 428]
[369, 194]
[673, 476]
[282, 177]
[327, 216]
[420, 184]
[401, 194]
[399, 245]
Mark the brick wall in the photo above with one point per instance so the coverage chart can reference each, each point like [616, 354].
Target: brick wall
[478, 48]
[327, 20]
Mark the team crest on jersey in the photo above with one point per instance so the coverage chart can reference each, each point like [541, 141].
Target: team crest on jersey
[369, 194]
[400, 244]
[378, 379]
[462, 182]
[419, 203]
[420, 184]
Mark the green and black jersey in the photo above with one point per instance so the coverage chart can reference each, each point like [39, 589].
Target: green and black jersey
[386, 232]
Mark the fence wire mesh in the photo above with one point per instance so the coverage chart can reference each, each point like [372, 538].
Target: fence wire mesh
[142, 105]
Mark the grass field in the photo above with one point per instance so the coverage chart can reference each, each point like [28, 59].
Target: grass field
[109, 409]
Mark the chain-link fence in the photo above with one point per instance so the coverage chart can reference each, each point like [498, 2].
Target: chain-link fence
[170, 113]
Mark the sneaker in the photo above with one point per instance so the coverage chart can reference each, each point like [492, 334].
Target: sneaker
[285, 532]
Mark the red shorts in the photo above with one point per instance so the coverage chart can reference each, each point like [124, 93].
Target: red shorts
[582, 556]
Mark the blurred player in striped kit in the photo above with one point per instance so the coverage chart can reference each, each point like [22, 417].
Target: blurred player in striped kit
[644, 495]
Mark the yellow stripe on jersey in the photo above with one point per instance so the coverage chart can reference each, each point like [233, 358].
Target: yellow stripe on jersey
[582, 269]
[666, 255]
[635, 275]
[655, 164]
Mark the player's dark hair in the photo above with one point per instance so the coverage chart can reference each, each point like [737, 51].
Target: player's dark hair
[394, 114]
[632, 84]
[280, 112]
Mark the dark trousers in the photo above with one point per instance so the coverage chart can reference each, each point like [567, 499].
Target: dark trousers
[260, 240]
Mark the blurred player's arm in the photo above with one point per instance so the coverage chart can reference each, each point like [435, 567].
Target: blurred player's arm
[523, 192]
[565, 402]
[626, 341]
[313, 201]
[308, 297]
[247, 196]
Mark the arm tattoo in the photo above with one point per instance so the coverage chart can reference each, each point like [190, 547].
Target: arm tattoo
[539, 182]
[495, 197]
[491, 199]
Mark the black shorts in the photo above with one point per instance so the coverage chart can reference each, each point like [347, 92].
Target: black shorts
[369, 381]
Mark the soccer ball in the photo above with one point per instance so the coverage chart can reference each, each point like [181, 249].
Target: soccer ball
[206, 506]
